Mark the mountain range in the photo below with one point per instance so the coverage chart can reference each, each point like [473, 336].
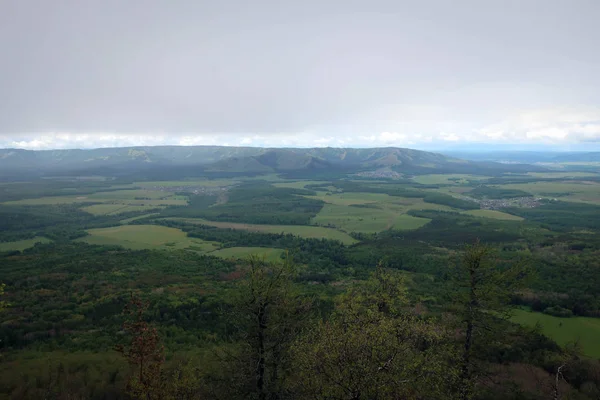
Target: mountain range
[225, 159]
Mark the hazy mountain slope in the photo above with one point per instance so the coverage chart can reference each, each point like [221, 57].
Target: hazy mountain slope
[238, 160]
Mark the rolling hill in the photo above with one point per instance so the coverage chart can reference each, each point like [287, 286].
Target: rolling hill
[195, 160]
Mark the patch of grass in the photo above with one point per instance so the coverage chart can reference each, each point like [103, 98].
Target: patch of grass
[130, 195]
[350, 198]
[195, 182]
[493, 214]
[22, 244]
[366, 220]
[53, 200]
[242, 252]
[443, 179]
[113, 209]
[139, 237]
[298, 230]
[561, 174]
[296, 184]
[565, 330]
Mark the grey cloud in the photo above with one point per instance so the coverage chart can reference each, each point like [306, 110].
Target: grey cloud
[282, 67]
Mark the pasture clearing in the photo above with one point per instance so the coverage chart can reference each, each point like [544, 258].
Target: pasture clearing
[20, 245]
[365, 219]
[138, 237]
[303, 231]
[114, 209]
[350, 198]
[565, 330]
[123, 197]
[52, 200]
[447, 179]
[566, 174]
[297, 184]
[493, 214]
[270, 254]
[194, 182]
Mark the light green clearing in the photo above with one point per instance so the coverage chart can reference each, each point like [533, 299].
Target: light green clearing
[299, 230]
[435, 179]
[124, 197]
[130, 195]
[139, 237]
[382, 212]
[565, 330]
[113, 209]
[128, 220]
[367, 220]
[22, 244]
[196, 182]
[584, 191]
[493, 214]
[345, 199]
[242, 252]
[561, 174]
[53, 200]
[297, 184]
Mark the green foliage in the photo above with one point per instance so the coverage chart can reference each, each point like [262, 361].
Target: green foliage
[561, 215]
[267, 314]
[264, 204]
[368, 348]
[447, 200]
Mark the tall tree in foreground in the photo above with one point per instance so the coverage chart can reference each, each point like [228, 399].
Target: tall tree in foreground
[373, 348]
[268, 313]
[143, 352]
[481, 295]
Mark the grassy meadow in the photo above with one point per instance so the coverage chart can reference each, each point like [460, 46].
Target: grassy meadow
[20, 245]
[138, 237]
[493, 214]
[565, 330]
[298, 230]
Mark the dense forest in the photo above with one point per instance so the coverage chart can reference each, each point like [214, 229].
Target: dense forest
[420, 313]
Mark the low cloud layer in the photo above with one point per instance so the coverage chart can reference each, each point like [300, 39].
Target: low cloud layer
[379, 73]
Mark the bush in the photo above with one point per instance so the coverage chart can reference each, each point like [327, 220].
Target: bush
[558, 311]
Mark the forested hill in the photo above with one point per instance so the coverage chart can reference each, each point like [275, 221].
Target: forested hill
[194, 160]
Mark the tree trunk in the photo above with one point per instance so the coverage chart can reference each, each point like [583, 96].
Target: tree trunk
[466, 378]
[260, 376]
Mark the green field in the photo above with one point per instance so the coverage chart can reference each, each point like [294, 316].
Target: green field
[561, 174]
[243, 252]
[51, 200]
[366, 220]
[296, 184]
[123, 197]
[346, 199]
[565, 330]
[139, 237]
[22, 244]
[113, 209]
[194, 182]
[449, 179]
[493, 214]
[299, 230]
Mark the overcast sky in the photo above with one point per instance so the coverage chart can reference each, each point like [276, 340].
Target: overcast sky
[424, 74]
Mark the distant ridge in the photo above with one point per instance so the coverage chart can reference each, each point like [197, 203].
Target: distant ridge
[225, 159]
